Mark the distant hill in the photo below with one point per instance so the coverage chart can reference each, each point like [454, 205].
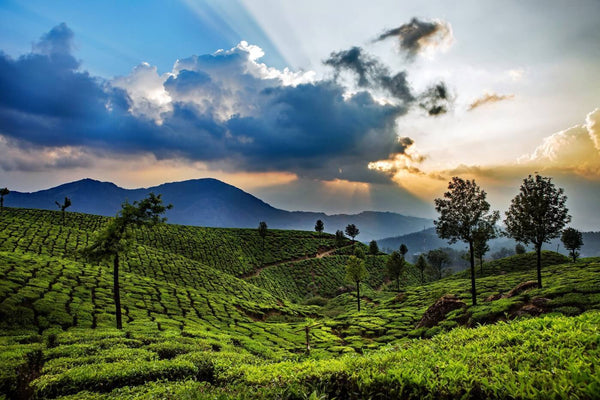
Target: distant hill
[212, 203]
[427, 239]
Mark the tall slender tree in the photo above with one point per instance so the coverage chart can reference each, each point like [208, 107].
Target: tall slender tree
[462, 209]
[63, 207]
[403, 250]
[340, 239]
[537, 214]
[356, 273]
[3, 192]
[483, 233]
[422, 265]
[115, 238]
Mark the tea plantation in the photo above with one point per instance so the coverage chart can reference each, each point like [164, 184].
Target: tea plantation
[212, 313]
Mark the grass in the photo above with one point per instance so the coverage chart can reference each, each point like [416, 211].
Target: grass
[194, 329]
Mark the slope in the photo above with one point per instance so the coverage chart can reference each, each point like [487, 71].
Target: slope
[188, 321]
[210, 202]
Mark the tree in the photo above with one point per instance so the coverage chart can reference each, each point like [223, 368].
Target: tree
[319, 226]
[437, 258]
[403, 250]
[113, 239]
[340, 239]
[373, 248]
[421, 265]
[482, 234]
[395, 267]
[356, 273]
[461, 210]
[3, 192]
[262, 232]
[573, 240]
[520, 249]
[63, 207]
[537, 214]
[352, 231]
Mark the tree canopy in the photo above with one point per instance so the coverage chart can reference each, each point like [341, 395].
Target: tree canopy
[395, 267]
[352, 231]
[319, 226]
[572, 240]
[373, 248]
[537, 214]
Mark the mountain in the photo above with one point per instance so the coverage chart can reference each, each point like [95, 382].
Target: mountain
[210, 202]
[427, 239]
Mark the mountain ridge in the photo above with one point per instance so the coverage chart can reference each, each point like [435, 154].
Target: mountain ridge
[213, 203]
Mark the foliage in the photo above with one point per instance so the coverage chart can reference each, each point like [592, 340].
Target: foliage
[437, 258]
[319, 226]
[395, 267]
[519, 249]
[356, 273]
[463, 213]
[194, 330]
[373, 248]
[66, 204]
[537, 214]
[352, 231]
[340, 239]
[112, 240]
[403, 249]
[572, 240]
[421, 265]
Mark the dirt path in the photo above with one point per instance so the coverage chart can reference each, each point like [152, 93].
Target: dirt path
[319, 254]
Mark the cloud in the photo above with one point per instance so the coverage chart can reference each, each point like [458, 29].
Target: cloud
[489, 98]
[227, 110]
[371, 73]
[436, 100]
[419, 36]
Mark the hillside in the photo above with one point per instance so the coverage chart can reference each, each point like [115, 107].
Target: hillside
[427, 239]
[210, 202]
[209, 314]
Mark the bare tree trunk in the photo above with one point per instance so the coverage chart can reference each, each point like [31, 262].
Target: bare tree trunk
[358, 294]
[538, 250]
[473, 292]
[116, 291]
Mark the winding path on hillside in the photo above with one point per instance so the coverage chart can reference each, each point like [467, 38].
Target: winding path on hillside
[320, 254]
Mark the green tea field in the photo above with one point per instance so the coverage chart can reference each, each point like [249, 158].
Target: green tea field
[215, 313]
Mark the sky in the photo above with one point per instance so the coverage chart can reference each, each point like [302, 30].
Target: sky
[335, 106]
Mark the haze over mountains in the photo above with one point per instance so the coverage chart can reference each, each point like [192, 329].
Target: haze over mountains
[210, 202]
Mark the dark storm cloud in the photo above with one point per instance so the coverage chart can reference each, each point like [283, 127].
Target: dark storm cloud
[370, 72]
[220, 110]
[417, 34]
[436, 100]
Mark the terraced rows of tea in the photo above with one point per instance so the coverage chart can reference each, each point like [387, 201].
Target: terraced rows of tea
[208, 311]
